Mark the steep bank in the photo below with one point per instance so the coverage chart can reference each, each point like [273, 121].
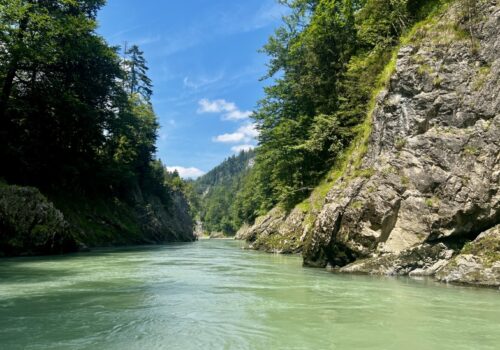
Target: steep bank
[79, 130]
[31, 224]
[426, 180]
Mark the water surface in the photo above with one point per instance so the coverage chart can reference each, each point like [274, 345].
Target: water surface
[214, 295]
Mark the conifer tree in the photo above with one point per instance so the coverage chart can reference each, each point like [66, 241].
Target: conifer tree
[137, 80]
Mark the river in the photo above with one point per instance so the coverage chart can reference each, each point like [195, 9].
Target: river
[215, 295]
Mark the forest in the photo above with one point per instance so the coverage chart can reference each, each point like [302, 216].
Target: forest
[76, 119]
[74, 113]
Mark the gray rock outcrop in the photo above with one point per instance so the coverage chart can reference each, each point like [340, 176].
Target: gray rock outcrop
[30, 224]
[478, 263]
[171, 223]
[433, 152]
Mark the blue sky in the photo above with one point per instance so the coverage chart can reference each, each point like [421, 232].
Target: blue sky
[205, 68]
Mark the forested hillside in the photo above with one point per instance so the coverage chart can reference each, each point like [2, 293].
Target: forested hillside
[329, 56]
[328, 61]
[76, 122]
[216, 207]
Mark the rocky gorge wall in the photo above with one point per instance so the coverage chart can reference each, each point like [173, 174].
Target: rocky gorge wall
[32, 224]
[429, 178]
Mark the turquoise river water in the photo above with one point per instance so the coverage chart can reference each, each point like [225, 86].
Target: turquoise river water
[215, 295]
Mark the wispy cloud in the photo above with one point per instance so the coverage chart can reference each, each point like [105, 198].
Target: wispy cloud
[269, 13]
[146, 40]
[187, 173]
[201, 82]
[229, 110]
[238, 18]
[246, 133]
[230, 21]
[121, 34]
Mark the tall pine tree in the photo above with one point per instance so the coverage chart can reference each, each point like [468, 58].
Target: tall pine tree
[137, 80]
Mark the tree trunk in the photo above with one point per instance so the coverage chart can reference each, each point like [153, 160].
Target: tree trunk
[11, 72]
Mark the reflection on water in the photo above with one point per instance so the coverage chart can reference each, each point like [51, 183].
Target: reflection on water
[215, 295]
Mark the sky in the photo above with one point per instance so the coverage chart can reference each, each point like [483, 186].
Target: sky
[206, 69]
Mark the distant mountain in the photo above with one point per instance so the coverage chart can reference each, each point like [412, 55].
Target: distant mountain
[216, 191]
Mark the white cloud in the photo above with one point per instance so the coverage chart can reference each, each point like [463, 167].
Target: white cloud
[246, 133]
[215, 106]
[187, 173]
[237, 115]
[230, 138]
[229, 109]
[239, 148]
[250, 130]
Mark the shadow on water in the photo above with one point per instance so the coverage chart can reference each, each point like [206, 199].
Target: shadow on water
[94, 252]
[19, 273]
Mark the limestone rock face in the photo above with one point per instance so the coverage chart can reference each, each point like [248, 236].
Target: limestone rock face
[167, 224]
[422, 260]
[217, 235]
[430, 178]
[434, 152]
[277, 232]
[30, 224]
[264, 226]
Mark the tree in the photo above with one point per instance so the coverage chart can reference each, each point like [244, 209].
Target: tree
[66, 118]
[137, 80]
[58, 83]
[312, 51]
[20, 20]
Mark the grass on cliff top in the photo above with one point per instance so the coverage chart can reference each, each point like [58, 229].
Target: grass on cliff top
[441, 30]
[487, 248]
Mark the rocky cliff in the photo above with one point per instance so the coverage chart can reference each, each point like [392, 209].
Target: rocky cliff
[32, 224]
[425, 179]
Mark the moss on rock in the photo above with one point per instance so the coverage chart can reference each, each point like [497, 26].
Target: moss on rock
[478, 262]
[30, 224]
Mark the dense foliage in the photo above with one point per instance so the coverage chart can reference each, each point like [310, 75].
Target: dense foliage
[216, 189]
[73, 113]
[326, 60]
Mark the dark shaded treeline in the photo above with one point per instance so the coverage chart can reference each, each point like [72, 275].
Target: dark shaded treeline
[75, 118]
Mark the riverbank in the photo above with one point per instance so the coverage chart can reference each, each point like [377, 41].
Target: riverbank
[32, 223]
